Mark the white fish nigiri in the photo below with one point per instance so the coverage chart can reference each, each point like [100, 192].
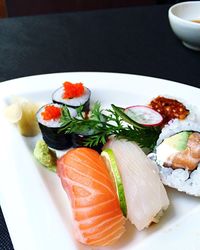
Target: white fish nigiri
[146, 197]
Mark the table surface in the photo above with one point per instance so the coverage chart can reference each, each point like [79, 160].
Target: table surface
[136, 40]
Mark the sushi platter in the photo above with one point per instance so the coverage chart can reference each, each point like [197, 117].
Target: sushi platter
[38, 212]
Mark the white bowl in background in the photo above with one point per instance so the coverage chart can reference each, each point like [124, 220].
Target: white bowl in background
[181, 18]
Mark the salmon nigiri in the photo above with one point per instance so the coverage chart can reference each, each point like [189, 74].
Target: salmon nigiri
[98, 219]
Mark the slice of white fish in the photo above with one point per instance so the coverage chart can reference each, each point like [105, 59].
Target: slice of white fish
[146, 196]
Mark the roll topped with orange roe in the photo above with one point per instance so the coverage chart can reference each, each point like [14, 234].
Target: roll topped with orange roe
[48, 118]
[72, 95]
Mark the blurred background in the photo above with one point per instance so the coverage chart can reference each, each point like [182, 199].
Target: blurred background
[10, 8]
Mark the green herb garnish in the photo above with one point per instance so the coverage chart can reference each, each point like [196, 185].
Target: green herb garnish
[110, 122]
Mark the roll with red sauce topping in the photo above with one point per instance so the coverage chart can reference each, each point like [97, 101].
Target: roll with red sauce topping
[169, 108]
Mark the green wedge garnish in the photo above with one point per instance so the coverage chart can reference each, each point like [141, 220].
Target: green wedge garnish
[111, 164]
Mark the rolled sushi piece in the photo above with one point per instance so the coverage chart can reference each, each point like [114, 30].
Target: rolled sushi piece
[73, 95]
[146, 197]
[48, 118]
[78, 140]
[177, 155]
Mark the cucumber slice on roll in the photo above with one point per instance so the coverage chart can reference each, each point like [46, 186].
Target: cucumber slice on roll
[111, 164]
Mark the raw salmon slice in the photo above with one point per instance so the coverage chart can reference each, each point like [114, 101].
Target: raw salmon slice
[98, 219]
[189, 158]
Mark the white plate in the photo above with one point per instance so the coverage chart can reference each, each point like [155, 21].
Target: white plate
[34, 204]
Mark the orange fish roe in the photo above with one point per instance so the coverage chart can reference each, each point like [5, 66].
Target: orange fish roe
[51, 112]
[169, 108]
[72, 90]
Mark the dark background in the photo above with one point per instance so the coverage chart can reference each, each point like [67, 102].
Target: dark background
[35, 7]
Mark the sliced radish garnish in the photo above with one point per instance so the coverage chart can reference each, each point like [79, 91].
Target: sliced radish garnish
[144, 115]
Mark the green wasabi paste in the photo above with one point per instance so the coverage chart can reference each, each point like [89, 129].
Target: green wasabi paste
[45, 155]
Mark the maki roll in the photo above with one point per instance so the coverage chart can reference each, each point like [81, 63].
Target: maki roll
[78, 140]
[73, 95]
[177, 155]
[48, 118]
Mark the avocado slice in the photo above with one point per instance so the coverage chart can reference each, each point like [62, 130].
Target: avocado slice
[178, 141]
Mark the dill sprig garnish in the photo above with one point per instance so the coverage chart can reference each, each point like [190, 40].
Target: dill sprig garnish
[101, 124]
